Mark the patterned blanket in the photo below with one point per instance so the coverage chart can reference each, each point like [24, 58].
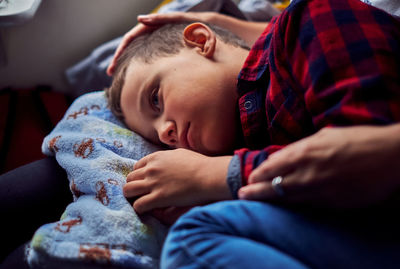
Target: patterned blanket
[100, 228]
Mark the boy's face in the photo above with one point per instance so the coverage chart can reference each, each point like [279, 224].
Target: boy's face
[184, 101]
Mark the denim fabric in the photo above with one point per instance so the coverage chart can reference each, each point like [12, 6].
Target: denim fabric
[248, 234]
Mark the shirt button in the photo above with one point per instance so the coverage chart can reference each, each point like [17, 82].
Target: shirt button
[248, 105]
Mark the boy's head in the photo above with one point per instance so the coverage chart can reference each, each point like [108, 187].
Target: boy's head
[177, 86]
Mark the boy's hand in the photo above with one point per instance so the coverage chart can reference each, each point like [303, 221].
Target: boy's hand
[177, 177]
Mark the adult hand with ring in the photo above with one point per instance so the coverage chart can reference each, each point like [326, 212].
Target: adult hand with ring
[276, 185]
[347, 167]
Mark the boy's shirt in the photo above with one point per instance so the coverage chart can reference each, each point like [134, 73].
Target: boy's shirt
[320, 63]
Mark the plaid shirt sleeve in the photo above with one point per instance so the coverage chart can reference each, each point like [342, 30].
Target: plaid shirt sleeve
[343, 55]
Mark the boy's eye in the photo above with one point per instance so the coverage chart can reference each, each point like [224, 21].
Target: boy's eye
[154, 101]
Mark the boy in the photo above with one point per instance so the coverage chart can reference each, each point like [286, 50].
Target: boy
[318, 64]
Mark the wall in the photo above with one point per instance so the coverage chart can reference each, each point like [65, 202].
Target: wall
[62, 33]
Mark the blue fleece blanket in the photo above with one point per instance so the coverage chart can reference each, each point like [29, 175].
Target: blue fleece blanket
[100, 228]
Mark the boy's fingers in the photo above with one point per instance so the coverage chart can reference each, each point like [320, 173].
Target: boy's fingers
[135, 188]
[145, 203]
[135, 175]
[138, 172]
[141, 163]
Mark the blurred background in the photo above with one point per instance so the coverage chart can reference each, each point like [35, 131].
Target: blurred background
[36, 48]
[60, 34]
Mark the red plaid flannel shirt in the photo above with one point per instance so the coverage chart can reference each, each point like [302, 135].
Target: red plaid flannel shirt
[320, 63]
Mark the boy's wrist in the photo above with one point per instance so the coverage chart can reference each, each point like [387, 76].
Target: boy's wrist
[216, 172]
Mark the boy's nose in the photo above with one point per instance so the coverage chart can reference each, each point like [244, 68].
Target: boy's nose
[168, 134]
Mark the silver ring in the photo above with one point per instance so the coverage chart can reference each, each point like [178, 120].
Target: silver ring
[277, 185]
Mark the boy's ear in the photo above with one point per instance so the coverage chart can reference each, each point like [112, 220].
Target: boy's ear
[201, 37]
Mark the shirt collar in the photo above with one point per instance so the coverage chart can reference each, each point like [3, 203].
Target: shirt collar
[257, 61]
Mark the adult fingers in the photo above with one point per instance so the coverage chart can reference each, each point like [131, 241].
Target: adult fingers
[293, 181]
[127, 38]
[293, 156]
[288, 187]
[264, 191]
[148, 23]
[163, 18]
[257, 191]
[279, 163]
[294, 188]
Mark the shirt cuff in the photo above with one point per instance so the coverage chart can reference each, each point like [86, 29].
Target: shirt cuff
[234, 177]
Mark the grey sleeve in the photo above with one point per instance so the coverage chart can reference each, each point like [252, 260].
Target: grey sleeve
[234, 177]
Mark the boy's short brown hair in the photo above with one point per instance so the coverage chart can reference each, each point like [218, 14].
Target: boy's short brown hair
[164, 41]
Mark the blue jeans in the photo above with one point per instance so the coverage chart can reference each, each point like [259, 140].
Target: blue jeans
[249, 234]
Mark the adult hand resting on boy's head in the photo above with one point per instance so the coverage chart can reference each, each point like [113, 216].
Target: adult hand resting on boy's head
[177, 177]
[150, 22]
[248, 31]
[336, 167]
